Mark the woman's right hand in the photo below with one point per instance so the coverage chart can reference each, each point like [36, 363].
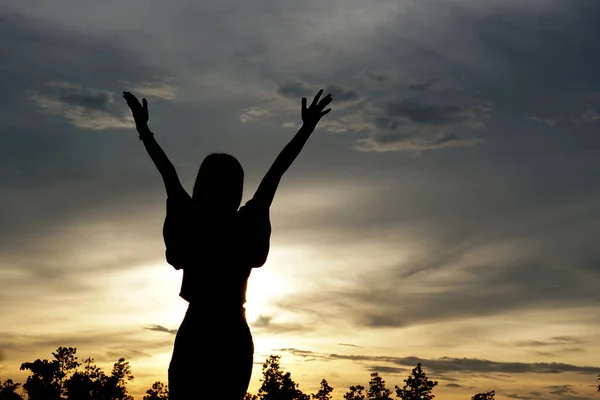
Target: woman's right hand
[139, 111]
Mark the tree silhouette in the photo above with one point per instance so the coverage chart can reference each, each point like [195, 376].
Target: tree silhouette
[114, 386]
[278, 385]
[417, 386]
[66, 365]
[8, 390]
[61, 379]
[355, 393]
[377, 389]
[249, 396]
[42, 383]
[158, 391]
[86, 384]
[484, 396]
[324, 392]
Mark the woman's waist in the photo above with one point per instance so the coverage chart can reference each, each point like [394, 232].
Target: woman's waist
[216, 312]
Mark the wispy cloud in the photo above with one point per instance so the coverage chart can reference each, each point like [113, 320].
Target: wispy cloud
[160, 328]
[445, 365]
[86, 108]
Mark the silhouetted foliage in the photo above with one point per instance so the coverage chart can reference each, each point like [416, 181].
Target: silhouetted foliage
[116, 383]
[61, 379]
[67, 364]
[158, 391]
[484, 396]
[42, 384]
[278, 385]
[8, 390]
[324, 392]
[355, 393]
[377, 389]
[417, 386]
[86, 384]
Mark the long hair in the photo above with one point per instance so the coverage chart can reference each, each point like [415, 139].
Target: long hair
[219, 184]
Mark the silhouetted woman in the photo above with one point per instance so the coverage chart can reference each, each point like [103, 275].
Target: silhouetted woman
[217, 245]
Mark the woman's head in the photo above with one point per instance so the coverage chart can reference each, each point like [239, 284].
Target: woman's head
[219, 184]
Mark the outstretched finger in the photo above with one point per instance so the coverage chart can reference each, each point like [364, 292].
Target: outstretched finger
[326, 112]
[303, 103]
[317, 97]
[131, 99]
[326, 100]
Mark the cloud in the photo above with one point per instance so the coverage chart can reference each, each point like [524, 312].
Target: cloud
[265, 323]
[160, 328]
[86, 108]
[349, 345]
[555, 353]
[102, 346]
[588, 116]
[252, 114]
[385, 369]
[445, 365]
[454, 385]
[554, 341]
[152, 90]
[418, 112]
[424, 86]
[415, 123]
[297, 89]
[545, 121]
[566, 392]
[128, 354]
[393, 120]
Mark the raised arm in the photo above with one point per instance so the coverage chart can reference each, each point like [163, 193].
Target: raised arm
[310, 116]
[156, 153]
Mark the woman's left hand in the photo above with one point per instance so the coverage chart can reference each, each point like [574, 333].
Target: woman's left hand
[313, 114]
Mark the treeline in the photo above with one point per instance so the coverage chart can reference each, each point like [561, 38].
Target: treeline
[66, 378]
[279, 385]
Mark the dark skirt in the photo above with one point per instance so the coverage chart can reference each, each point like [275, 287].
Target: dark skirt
[212, 356]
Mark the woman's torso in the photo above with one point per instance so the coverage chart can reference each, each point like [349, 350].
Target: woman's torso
[216, 254]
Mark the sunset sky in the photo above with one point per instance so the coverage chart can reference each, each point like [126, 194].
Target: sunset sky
[445, 212]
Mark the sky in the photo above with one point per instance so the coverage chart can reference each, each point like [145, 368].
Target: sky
[445, 212]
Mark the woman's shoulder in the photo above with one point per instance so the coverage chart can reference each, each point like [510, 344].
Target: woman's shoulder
[179, 200]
